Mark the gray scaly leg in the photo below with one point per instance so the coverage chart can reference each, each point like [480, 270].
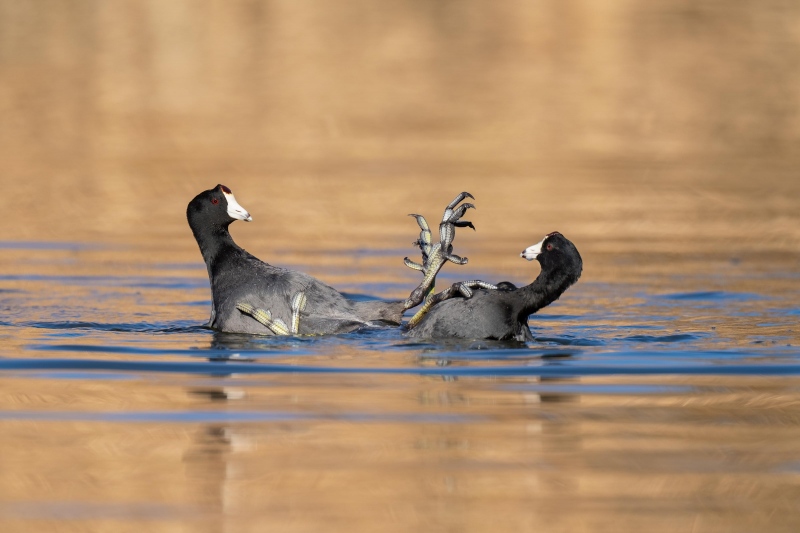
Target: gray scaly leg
[435, 255]
[462, 288]
[276, 325]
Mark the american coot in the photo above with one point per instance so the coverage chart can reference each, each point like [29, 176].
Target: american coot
[503, 313]
[251, 296]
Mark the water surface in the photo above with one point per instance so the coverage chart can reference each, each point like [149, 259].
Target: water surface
[661, 393]
[671, 402]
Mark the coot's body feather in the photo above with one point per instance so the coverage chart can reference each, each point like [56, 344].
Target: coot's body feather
[237, 276]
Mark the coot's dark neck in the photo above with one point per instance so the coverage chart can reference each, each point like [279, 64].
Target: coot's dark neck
[214, 241]
[544, 290]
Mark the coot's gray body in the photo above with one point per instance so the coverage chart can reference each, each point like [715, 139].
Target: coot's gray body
[237, 276]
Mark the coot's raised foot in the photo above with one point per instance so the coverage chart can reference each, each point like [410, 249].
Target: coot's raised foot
[435, 255]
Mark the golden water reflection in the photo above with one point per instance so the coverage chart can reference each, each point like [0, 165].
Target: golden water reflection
[414, 453]
[660, 137]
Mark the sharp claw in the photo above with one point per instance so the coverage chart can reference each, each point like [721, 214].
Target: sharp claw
[463, 224]
[423, 224]
[457, 259]
[459, 198]
[452, 215]
[411, 264]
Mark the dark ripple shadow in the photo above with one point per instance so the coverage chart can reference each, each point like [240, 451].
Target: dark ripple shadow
[543, 317]
[216, 353]
[499, 354]
[678, 337]
[130, 327]
[711, 295]
[457, 345]
[567, 341]
[624, 364]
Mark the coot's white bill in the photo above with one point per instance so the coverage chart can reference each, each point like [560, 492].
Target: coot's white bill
[532, 252]
[235, 210]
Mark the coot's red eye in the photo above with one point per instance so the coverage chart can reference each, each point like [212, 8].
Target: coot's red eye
[549, 247]
[215, 201]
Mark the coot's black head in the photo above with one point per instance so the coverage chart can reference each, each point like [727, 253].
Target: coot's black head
[215, 207]
[556, 253]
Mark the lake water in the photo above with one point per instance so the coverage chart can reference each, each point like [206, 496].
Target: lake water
[662, 392]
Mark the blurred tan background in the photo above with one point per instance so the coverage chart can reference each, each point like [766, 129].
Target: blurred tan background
[666, 125]
[661, 136]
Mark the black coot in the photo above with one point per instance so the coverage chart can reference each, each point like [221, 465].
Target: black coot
[237, 276]
[503, 313]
